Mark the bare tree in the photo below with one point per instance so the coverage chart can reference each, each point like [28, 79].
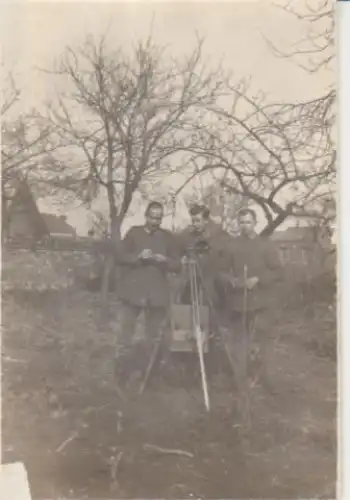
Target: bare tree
[100, 225]
[125, 120]
[315, 50]
[10, 93]
[222, 203]
[24, 144]
[280, 156]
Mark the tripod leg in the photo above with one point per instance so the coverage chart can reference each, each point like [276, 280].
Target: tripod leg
[155, 352]
[150, 366]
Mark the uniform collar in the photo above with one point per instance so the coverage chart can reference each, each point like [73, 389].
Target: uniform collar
[252, 237]
[149, 231]
[203, 234]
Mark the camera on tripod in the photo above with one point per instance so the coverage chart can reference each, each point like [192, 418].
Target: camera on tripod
[198, 249]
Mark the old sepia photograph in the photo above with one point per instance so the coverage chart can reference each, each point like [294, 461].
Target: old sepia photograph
[169, 250]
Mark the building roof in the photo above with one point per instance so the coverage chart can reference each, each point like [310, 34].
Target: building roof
[21, 199]
[11, 187]
[57, 224]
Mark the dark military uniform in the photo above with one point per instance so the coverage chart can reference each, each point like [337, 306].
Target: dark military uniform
[208, 249]
[247, 335]
[143, 286]
[262, 260]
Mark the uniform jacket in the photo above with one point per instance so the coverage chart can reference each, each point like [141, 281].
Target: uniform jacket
[210, 262]
[146, 284]
[262, 261]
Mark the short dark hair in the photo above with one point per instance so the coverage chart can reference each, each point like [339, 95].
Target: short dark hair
[247, 211]
[200, 209]
[152, 205]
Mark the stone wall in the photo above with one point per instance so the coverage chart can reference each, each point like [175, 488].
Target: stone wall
[57, 268]
[45, 269]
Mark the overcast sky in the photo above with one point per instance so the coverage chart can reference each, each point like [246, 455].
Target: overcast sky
[33, 34]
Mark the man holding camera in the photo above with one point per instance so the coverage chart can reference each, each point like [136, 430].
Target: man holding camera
[205, 242]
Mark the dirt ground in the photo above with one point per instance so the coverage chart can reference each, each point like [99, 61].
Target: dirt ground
[62, 417]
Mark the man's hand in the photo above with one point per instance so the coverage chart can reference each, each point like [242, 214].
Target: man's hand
[146, 254]
[252, 282]
[188, 260]
[159, 258]
[234, 282]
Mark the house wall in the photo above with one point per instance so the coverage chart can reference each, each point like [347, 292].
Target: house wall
[297, 253]
[304, 261]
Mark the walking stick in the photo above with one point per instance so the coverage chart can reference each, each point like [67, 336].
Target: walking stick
[245, 298]
[245, 395]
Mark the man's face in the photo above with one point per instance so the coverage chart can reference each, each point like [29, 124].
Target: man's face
[247, 224]
[198, 223]
[154, 218]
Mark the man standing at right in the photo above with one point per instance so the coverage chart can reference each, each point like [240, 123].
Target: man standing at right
[254, 270]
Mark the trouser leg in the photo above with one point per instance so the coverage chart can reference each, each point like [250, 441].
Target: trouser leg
[237, 351]
[237, 339]
[154, 317]
[262, 353]
[250, 351]
[237, 343]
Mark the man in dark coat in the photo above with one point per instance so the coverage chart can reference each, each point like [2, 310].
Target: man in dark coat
[146, 256]
[254, 270]
[205, 242]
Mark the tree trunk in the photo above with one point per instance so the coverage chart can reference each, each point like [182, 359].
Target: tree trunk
[5, 217]
[270, 228]
[109, 265]
[116, 220]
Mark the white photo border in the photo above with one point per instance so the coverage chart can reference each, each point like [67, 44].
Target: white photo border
[343, 232]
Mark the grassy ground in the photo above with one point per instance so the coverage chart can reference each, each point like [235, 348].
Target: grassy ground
[61, 413]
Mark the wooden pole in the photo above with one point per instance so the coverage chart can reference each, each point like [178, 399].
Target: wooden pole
[245, 395]
[198, 332]
[199, 338]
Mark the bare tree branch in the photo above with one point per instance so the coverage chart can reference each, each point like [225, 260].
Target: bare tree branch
[280, 157]
[315, 50]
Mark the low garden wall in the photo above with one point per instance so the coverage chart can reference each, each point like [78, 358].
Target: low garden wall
[45, 269]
